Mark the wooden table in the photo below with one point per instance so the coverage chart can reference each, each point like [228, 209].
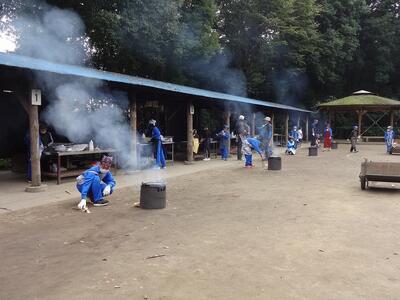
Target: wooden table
[169, 155]
[70, 173]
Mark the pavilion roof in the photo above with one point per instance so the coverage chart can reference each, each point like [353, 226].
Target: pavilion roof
[361, 100]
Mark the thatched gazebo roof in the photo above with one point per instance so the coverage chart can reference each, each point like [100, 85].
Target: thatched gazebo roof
[361, 100]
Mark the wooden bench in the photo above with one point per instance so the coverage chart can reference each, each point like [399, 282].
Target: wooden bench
[379, 171]
[373, 138]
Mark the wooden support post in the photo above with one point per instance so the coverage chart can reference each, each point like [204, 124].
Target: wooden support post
[133, 123]
[360, 115]
[34, 143]
[392, 119]
[307, 133]
[287, 127]
[253, 124]
[273, 126]
[298, 121]
[189, 117]
[227, 121]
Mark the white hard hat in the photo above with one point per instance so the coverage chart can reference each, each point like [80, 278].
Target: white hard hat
[267, 119]
[241, 117]
[152, 122]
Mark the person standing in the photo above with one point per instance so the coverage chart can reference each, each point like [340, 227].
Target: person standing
[300, 134]
[266, 137]
[327, 137]
[207, 144]
[158, 150]
[353, 139]
[314, 133]
[224, 142]
[241, 128]
[389, 139]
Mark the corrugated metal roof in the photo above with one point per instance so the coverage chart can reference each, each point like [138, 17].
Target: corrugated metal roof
[19, 61]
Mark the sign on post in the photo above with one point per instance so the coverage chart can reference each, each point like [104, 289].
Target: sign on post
[36, 97]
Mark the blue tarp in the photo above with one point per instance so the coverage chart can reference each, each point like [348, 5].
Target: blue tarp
[19, 61]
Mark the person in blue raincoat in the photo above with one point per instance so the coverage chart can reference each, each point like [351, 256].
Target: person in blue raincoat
[389, 139]
[224, 137]
[96, 183]
[27, 141]
[291, 147]
[295, 135]
[266, 137]
[158, 150]
[250, 144]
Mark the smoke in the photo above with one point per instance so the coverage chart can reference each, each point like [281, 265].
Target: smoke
[52, 34]
[79, 109]
[290, 86]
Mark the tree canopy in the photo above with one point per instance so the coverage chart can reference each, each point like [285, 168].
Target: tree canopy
[289, 51]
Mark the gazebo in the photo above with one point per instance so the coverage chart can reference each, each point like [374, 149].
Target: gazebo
[363, 103]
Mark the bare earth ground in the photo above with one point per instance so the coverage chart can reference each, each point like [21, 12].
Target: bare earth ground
[306, 232]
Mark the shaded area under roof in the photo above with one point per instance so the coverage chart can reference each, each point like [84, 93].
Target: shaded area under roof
[19, 61]
[361, 100]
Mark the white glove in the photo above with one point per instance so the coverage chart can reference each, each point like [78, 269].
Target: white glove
[82, 205]
[107, 190]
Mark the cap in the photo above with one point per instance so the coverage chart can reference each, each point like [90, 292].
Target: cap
[389, 127]
[226, 126]
[241, 117]
[107, 161]
[267, 119]
[152, 122]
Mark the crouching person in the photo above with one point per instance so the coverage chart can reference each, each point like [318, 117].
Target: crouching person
[249, 144]
[96, 183]
[291, 147]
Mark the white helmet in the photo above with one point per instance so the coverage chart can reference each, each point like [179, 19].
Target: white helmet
[267, 119]
[152, 122]
[241, 117]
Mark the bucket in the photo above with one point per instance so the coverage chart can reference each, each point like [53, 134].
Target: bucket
[274, 163]
[334, 145]
[153, 195]
[312, 151]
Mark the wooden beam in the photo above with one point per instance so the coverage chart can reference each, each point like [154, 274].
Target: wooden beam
[307, 133]
[133, 124]
[189, 118]
[253, 124]
[34, 144]
[227, 121]
[287, 127]
[392, 118]
[24, 103]
[360, 114]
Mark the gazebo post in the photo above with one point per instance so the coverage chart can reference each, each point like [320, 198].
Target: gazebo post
[392, 118]
[273, 126]
[360, 115]
[298, 121]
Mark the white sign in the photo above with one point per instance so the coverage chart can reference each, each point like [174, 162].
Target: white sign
[191, 110]
[36, 97]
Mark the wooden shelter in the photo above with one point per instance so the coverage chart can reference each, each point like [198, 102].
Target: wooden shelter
[363, 103]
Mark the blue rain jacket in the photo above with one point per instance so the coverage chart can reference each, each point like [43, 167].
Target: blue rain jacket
[389, 137]
[159, 152]
[255, 144]
[89, 176]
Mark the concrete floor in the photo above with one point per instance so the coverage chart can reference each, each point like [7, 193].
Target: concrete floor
[306, 232]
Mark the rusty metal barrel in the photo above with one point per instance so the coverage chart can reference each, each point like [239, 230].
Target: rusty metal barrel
[153, 195]
[274, 163]
[313, 151]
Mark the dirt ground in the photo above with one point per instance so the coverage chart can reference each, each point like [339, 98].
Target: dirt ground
[306, 232]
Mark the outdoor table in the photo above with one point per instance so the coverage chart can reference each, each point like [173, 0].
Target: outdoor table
[168, 146]
[75, 172]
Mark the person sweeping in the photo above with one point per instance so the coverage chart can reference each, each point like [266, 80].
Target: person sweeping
[96, 183]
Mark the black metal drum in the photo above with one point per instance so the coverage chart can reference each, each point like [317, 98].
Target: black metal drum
[153, 195]
[274, 163]
[313, 151]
